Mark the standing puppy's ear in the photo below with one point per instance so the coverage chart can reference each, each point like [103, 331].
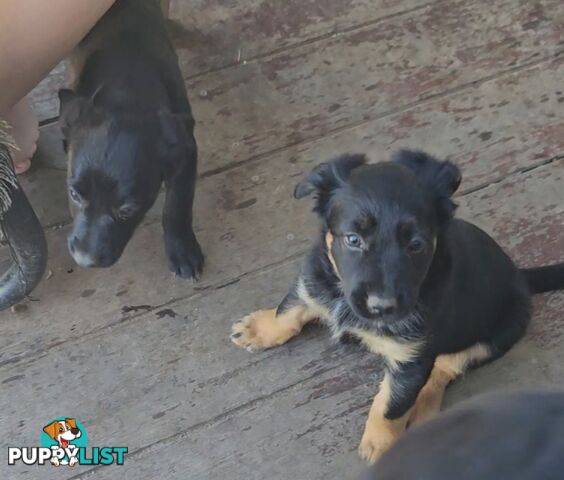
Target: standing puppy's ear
[442, 178]
[327, 177]
[71, 106]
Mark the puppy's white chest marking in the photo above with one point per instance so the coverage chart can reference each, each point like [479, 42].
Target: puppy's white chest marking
[392, 350]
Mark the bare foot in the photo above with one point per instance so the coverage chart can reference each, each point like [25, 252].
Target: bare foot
[25, 131]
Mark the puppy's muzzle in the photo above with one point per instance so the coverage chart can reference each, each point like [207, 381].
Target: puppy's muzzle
[85, 258]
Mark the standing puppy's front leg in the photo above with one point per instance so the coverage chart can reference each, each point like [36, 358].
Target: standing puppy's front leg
[185, 256]
[391, 407]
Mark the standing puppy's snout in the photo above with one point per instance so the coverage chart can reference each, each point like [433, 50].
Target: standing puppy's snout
[80, 256]
[380, 306]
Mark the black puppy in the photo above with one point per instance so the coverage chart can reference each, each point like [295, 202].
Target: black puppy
[432, 294]
[127, 127]
[503, 436]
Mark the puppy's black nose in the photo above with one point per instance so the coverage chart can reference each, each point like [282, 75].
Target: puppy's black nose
[380, 306]
[75, 431]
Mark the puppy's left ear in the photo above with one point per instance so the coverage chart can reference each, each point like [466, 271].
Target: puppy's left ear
[71, 108]
[442, 178]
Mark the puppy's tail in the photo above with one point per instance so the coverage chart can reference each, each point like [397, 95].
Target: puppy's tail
[545, 279]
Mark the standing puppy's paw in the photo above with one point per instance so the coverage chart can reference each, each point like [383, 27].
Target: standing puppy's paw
[185, 257]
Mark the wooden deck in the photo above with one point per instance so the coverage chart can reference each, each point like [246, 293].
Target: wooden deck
[144, 360]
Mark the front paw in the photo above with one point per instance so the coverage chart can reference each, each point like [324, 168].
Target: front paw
[374, 443]
[264, 329]
[55, 461]
[185, 257]
[73, 461]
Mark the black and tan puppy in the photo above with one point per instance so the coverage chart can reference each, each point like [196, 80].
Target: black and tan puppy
[127, 127]
[432, 294]
[503, 436]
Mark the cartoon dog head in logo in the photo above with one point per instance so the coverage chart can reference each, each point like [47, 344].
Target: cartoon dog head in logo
[63, 431]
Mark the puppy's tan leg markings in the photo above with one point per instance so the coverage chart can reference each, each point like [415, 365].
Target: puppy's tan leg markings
[446, 369]
[264, 329]
[430, 397]
[379, 432]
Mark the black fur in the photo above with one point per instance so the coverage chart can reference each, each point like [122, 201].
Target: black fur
[127, 128]
[443, 283]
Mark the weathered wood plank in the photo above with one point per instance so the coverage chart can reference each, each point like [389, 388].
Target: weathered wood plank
[213, 34]
[158, 363]
[475, 126]
[312, 430]
[325, 86]
[209, 35]
[258, 198]
[396, 62]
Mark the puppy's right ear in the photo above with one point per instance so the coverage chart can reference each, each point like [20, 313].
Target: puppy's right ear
[71, 106]
[328, 176]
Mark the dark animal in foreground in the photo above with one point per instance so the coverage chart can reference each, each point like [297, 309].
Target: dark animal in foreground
[509, 436]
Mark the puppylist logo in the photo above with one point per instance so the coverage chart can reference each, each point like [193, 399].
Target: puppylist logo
[64, 441]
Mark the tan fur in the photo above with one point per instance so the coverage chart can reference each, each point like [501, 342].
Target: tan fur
[329, 242]
[52, 429]
[446, 369]
[264, 329]
[379, 432]
[394, 351]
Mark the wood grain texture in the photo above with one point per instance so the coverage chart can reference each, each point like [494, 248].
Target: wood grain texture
[475, 126]
[347, 80]
[145, 360]
[210, 35]
[161, 361]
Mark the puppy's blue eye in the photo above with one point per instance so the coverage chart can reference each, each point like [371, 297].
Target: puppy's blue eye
[416, 246]
[352, 240]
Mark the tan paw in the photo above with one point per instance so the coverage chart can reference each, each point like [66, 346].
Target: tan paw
[263, 329]
[374, 443]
